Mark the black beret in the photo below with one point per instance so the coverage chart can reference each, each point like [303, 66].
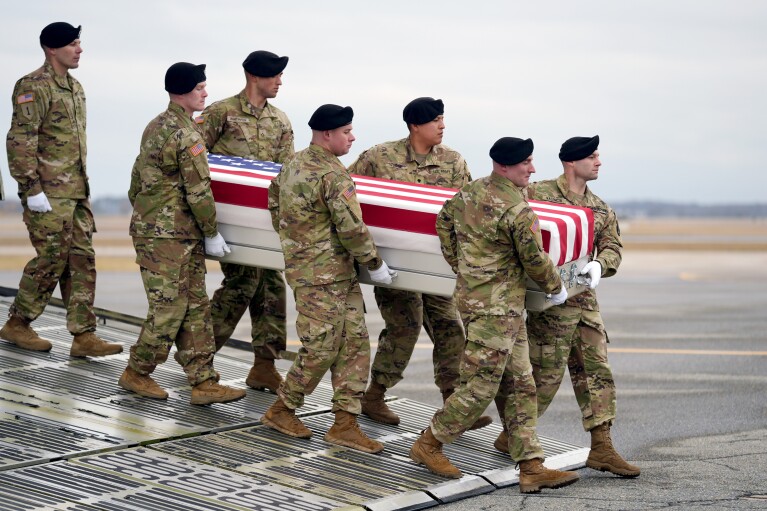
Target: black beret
[510, 150]
[59, 34]
[330, 117]
[577, 148]
[422, 110]
[264, 63]
[183, 77]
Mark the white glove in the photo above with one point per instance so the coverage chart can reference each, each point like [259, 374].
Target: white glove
[559, 298]
[383, 275]
[39, 203]
[216, 246]
[594, 269]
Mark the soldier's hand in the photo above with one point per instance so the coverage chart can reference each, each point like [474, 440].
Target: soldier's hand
[559, 298]
[383, 275]
[39, 203]
[216, 246]
[594, 269]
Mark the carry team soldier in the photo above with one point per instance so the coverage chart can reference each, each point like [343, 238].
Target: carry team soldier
[314, 208]
[247, 125]
[173, 225]
[418, 158]
[492, 239]
[573, 334]
[46, 148]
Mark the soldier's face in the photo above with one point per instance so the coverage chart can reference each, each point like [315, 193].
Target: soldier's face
[520, 173]
[588, 168]
[68, 57]
[431, 132]
[194, 101]
[340, 140]
[268, 87]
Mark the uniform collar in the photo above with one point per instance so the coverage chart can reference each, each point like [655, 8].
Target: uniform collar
[61, 80]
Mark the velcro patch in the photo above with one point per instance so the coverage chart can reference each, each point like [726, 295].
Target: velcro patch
[195, 150]
[535, 227]
[25, 98]
[199, 119]
[348, 193]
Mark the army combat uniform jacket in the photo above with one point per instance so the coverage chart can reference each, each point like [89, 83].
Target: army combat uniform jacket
[607, 239]
[170, 181]
[398, 161]
[314, 208]
[46, 144]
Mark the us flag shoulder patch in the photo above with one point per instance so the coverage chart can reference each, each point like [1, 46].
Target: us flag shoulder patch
[535, 227]
[199, 119]
[25, 98]
[195, 150]
[348, 192]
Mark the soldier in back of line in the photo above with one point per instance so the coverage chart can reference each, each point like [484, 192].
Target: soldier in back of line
[573, 334]
[314, 208]
[247, 125]
[492, 239]
[418, 158]
[46, 148]
[173, 212]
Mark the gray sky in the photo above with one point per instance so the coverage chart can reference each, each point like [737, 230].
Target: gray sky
[675, 88]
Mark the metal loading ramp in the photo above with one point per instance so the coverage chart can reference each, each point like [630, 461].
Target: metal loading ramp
[71, 438]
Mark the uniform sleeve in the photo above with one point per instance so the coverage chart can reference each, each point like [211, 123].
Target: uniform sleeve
[462, 174]
[362, 166]
[446, 232]
[213, 120]
[135, 182]
[31, 103]
[286, 148]
[195, 180]
[526, 235]
[608, 245]
[273, 201]
[346, 216]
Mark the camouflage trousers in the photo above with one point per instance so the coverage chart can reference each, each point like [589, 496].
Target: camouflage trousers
[331, 326]
[495, 365]
[404, 312]
[575, 338]
[63, 241]
[173, 272]
[262, 292]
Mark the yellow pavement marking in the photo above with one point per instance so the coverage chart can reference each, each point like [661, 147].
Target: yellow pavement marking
[688, 352]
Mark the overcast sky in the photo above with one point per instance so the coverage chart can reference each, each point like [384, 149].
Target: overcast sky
[675, 89]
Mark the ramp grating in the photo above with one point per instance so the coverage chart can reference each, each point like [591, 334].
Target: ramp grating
[71, 439]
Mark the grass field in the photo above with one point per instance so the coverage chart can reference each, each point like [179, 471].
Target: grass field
[114, 248]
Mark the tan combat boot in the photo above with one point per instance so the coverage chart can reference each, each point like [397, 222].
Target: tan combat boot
[17, 331]
[604, 457]
[484, 420]
[284, 420]
[141, 384]
[88, 344]
[502, 442]
[533, 476]
[345, 431]
[374, 406]
[210, 391]
[263, 374]
[427, 450]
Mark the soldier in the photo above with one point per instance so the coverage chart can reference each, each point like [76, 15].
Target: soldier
[173, 210]
[573, 334]
[418, 158]
[314, 208]
[247, 125]
[46, 149]
[491, 238]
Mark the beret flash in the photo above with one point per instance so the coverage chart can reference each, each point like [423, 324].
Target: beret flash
[330, 117]
[264, 63]
[511, 150]
[577, 148]
[183, 77]
[422, 110]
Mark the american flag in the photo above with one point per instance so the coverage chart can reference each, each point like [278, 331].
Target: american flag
[399, 208]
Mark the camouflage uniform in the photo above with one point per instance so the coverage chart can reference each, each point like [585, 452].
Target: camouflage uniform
[234, 127]
[404, 312]
[173, 209]
[573, 334]
[46, 148]
[315, 209]
[491, 238]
